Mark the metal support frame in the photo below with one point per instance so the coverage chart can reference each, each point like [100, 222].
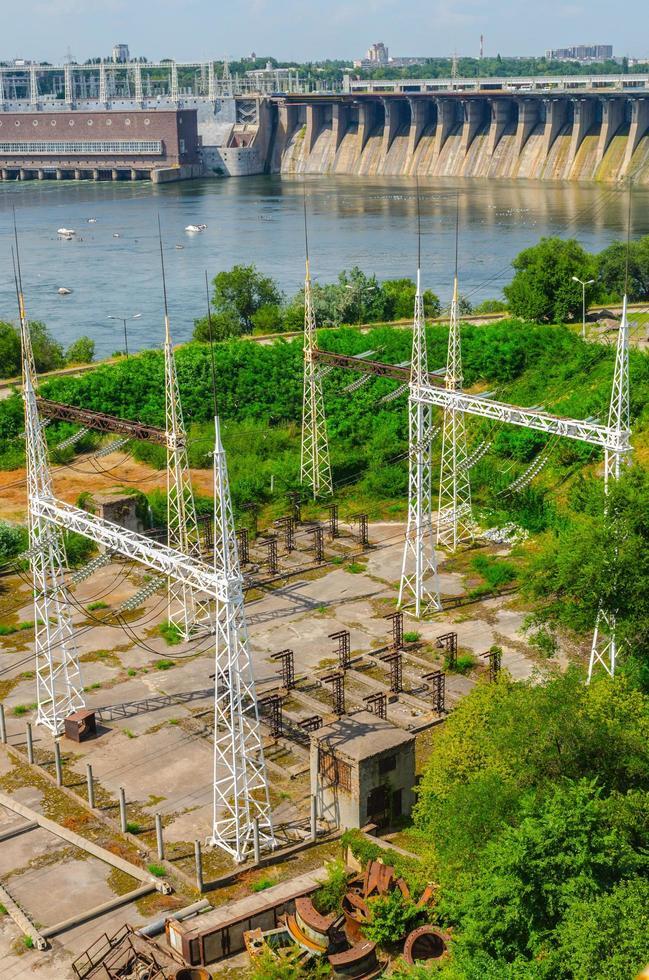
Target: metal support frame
[363, 525]
[454, 524]
[295, 500]
[174, 82]
[243, 545]
[419, 585]
[273, 703]
[271, 554]
[287, 660]
[137, 70]
[448, 642]
[395, 659]
[494, 657]
[318, 543]
[333, 522]
[287, 525]
[103, 92]
[337, 681]
[378, 704]
[315, 468]
[397, 629]
[311, 724]
[437, 681]
[344, 648]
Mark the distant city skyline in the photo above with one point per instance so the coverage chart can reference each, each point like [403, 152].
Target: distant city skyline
[47, 30]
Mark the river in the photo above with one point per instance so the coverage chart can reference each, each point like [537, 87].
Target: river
[113, 268]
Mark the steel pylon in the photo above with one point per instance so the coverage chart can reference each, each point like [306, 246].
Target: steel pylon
[454, 523]
[315, 468]
[604, 647]
[185, 610]
[59, 689]
[419, 585]
[241, 800]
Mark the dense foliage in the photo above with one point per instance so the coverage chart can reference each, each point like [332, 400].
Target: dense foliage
[533, 817]
[543, 288]
[48, 353]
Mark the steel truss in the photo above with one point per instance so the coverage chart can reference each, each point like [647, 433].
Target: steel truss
[419, 585]
[315, 469]
[454, 523]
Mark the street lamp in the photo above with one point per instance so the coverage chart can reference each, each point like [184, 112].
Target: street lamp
[360, 290]
[136, 316]
[589, 282]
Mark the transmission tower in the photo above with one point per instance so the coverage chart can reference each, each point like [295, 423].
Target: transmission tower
[59, 689]
[186, 612]
[604, 646]
[419, 585]
[241, 798]
[454, 511]
[315, 468]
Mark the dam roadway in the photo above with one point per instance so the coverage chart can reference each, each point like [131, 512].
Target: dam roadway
[527, 130]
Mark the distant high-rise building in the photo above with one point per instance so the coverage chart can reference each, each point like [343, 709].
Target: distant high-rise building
[378, 53]
[121, 53]
[581, 52]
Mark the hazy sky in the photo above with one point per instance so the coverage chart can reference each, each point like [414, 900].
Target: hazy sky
[302, 30]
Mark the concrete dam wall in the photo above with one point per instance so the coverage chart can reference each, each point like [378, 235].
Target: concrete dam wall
[585, 137]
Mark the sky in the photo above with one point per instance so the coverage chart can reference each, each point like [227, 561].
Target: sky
[192, 30]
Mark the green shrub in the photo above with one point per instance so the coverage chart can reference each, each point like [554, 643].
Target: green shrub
[329, 896]
[496, 571]
[132, 827]
[262, 884]
[165, 664]
[411, 636]
[465, 663]
[391, 917]
[156, 870]
[171, 634]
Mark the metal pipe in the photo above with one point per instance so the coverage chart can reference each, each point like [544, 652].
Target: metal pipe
[122, 809]
[157, 926]
[314, 817]
[3, 725]
[199, 865]
[113, 903]
[255, 840]
[30, 744]
[91, 786]
[158, 836]
[57, 763]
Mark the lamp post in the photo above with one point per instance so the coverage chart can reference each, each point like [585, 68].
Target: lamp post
[589, 282]
[360, 290]
[123, 319]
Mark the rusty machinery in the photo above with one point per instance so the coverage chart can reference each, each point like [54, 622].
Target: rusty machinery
[311, 724]
[448, 642]
[243, 545]
[337, 681]
[295, 500]
[318, 543]
[363, 535]
[378, 704]
[287, 660]
[333, 521]
[271, 554]
[287, 525]
[437, 681]
[344, 648]
[495, 659]
[397, 629]
[273, 702]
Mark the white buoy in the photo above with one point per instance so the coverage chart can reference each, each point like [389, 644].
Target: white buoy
[63, 291]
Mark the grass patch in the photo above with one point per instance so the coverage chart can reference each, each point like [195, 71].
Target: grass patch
[28, 942]
[131, 672]
[465, 663]
[412, 636]
[132, 827]
[164, 664]
[170, 633]
[97, 605]
[495, 571]
[261, 885]
[3, 910]
[355, 567]
[156, 870]
[7, 630]
[129, 733]
[20, 710]
[93, 687]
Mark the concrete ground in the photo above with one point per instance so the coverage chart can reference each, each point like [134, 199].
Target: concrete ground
[155, 710]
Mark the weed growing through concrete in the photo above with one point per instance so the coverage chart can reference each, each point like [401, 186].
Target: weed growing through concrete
[156, 870]
[164, 664]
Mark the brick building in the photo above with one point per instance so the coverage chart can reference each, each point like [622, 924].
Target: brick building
[102, 145]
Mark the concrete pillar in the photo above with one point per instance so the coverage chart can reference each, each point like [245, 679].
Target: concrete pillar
[366, 122]
[314, 817]
[40, 174]
[473, 119]
[313, 125]
[158, 837]
[122, 809]
[584, 117]
[77, 175]
[639, 126]
[138, 83]
[286, 123]
[419, 115]
[103, 97]
[33, 87]
[3, 723]
[528, 117]
[446, 116]
[57, 763]
[91, 786]
[133, 174]
[114, 174]
[501, 110]
[255, 841]
[95, 175]
[612, 119]
[340, 122]
[393, 116]
[555, 118]
[5, 174]
[59, 175]
[23, 174]
[199, 865]
[30, 744]
[69, 93]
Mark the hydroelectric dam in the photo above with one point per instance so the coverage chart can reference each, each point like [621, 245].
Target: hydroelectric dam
[172, 121]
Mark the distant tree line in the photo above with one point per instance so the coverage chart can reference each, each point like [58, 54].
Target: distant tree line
[49, 354]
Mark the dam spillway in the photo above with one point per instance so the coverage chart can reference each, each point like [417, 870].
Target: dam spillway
[480, 135]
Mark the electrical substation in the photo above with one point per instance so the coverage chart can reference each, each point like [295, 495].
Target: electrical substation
[314, 656]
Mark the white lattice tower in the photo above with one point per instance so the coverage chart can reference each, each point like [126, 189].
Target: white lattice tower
[315, 469]
[419, 586]
[186, 611]
[454, 523]
[59, 689]
[240, 784]
[604, 646]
